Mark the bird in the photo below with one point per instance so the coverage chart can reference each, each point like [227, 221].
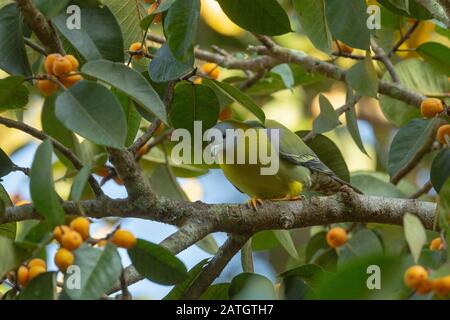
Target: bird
[300, 169]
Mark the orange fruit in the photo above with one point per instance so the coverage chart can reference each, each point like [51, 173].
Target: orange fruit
[36, 270]
[431, 107]
[73, 61]
[137, 46]
[71, 79]
[342, 47]
[37, 262]
[337, 237]
[82, 226]
[211, 69]
[442, 132]
[436, 244]
[49, 61]
[23, 276]
[124, 239]
[424, 288]
[62, 66]
[63, 259]
[415, 276]
[59, 231]
[71, 240]
[441, 286]
[47, 87]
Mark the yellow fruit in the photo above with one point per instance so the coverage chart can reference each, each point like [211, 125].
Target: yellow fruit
[73, 61]
[436, 244]
[37, 262]
[23, 276]
[59, 231]
[337, 237]
[431, 107]
[35, 271]
[71, 79]
[49, 60]
[62, 66]
[71, 240]
[63, 259]
[415, 276]
[124, 239]
[442, 132]
[81, 225]
[47, 87]
[424, 288]
[211, 69]
[137, 46]
[441, 286]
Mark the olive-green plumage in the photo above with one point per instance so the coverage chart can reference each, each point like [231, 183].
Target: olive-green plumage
[299, 167]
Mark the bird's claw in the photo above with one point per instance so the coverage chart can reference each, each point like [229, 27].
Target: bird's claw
[290, 198]
[254, 202]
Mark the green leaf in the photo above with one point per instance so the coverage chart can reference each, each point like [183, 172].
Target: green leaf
[165, 67]
[327, 119]
[437, 55]
[409, 140]
[131, 83]
[416, 10]
[259, 16]
[12, 255]
[363, 243]
[417, 76]
[238, 96]
[348, 22]
[352, 127]
[42, 188]
[79, 183]
[251, 286]
[164, 5]
[99, 270]
[310, 273]
[440, 169]
[264, 240]
[13, 56]
[194, 103]
[216, 292]
[328, 153]
[285, 239]
[128, 14]
[286, 74]
[177, 292]
[43, 287]
[6, 165]
[316, 245]
[100, 36]
[247, 257]
[371, 184]
[444, 206]
[311, 14]
[180, 28]
[7, 229]
[13, 94]
[415, 235]
[157, 263]
[93, 112]
[132, 115]
[51, 8]
[362, 77]
[208, 244]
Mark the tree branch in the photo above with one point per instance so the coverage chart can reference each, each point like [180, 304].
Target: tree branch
[58, 145]
[38, 23]
[214, 267]
[386, 61]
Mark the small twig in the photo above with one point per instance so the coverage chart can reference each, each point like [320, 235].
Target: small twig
[25, 171]
[252, 80]
[126, 295]
[35, 46]
[423, 190]
[214, 267]
[58, 145]
[404, 38]
[386, 61]
[352, 56]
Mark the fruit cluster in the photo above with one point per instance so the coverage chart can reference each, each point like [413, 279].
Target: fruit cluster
[64, 68]
[31, 270]
[432, 107]
[417, 278]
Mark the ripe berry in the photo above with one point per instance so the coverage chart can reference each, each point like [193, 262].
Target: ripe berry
[137, 46]
[63, 259]
[81, 225]
[211, 69]
[62, 66]
[124, 239]
[47, 87]
[337, 237]
[59, 231]
[23, 276]
[37, 262]
[441, 286]
[415, 276]
[424, 288]
[71, 79]
[71, 240]
[442, 132]
[49, 60]
[36, 270]
[436, 244]
[431, 107]
[73, 61]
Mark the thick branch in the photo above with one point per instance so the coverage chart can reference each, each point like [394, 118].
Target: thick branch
[38, 23]
[214, 267]
[59, 146]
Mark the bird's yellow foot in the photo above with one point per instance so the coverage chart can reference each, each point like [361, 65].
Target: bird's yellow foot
[254, 202]
[289, 198]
